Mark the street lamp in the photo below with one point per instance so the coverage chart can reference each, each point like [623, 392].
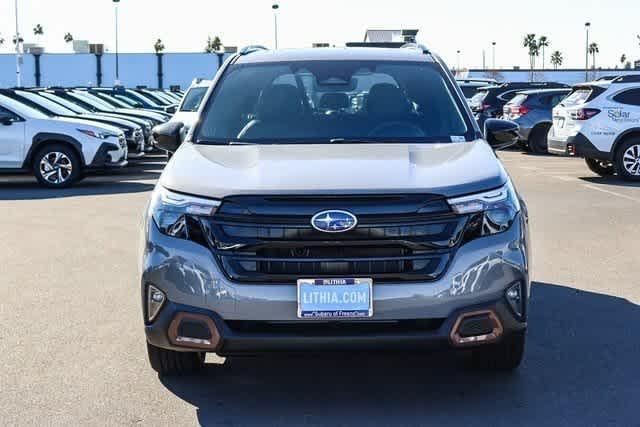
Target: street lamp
[458, 62]
[18, 54]
[275, 8]
[117, 52]
[493, 61]
[587, 25]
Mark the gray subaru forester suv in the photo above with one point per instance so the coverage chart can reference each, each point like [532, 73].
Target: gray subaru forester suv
[329, 200]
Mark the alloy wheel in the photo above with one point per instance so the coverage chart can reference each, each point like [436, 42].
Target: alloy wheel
[55, 167]
[631, 160]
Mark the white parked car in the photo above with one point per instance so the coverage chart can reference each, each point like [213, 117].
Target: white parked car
[600, 121]
[58, 151]
[188, 110]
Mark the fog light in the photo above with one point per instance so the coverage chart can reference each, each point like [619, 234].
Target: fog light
[155, 301]
[515, 300]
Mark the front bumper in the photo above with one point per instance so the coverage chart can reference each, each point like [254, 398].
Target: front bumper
[109, 156]
[188, 274]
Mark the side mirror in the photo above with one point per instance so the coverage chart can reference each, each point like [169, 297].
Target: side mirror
[168, 136]
[6, 119]
[500, 134]
[171, 109]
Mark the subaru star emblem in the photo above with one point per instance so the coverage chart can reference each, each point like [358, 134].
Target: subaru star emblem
[334, 221]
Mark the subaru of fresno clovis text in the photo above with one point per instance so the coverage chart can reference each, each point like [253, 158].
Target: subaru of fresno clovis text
[334, 199]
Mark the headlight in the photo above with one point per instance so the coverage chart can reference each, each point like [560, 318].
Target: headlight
[98, 135]
[491, 212]
[176, 214]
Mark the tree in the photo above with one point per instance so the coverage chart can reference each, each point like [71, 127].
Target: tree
[158, 46]
[1, 40]
[557, 59]
[543, 43]
[68, 38]
[16, 41]
[531, 43]
[623, 59]
[213, 45]
[38, 30]
[593, 51]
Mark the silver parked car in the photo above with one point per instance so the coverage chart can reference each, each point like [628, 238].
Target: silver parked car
[334, 199]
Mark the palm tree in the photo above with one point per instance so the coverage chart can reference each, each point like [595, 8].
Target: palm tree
[593, 50]
[68, 38]
[623, 59]
[534, 50]
[556, 59]
[213, 45]
[158, 46]
[543, 42]
[38, 30]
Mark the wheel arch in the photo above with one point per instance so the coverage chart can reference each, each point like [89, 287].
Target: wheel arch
[620, 139]
[44, 138]
[540, 125]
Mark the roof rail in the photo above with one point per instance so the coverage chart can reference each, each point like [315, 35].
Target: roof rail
[251, 48]
[417, 46]
[627, 78]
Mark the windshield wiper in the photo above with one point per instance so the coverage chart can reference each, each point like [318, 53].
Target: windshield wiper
[353, 141]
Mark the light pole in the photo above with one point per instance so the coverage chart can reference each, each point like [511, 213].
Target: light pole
[458, 63]
[275, 8]
[493, 60]
[117, 52]
[18, 55]
[587, 25]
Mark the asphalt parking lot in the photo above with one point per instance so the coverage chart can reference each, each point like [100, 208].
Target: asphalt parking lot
[72, 340]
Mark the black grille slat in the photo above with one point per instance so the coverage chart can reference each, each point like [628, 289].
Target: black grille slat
[269, 239]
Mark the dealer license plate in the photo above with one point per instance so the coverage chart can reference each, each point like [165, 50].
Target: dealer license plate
[335, 298]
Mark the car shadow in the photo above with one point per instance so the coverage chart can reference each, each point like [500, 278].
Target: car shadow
[137, 177]
[581, 368]
[613, 181]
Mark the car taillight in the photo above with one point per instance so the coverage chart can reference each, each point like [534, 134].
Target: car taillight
[584, 113]
[519, 110]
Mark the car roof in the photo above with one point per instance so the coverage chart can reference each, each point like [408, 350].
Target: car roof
[334, 54]
[544, 91]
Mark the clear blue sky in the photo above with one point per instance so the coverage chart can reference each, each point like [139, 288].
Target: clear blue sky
[447, 26]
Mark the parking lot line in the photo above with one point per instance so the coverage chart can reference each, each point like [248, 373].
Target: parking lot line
[613, 193]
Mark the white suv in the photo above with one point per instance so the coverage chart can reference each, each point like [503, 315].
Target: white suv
[600, 121]
[187, 112]
[57, 151]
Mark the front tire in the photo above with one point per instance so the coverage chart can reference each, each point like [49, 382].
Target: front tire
[57, 166]
[627, 159]
[600, 167]
[169, 363]
[505, 355]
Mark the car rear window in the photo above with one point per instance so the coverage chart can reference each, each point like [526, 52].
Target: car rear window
[518, 100]
[581, 95]
[323, 101]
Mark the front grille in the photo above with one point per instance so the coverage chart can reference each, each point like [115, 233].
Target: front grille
[271, 240]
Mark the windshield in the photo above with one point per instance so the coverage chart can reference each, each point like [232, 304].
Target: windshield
[93, 101]
[64, 102]
[322, 101]
[146, 99]
[51, 106]
[111, 100]
[193, 98]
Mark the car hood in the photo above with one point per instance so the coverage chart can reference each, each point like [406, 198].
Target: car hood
[88, 124]
[449, 169]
